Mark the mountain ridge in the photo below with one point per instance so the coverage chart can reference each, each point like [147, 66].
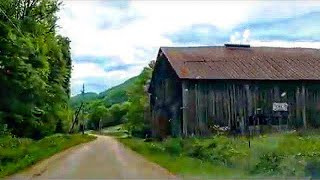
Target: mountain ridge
[113, 95]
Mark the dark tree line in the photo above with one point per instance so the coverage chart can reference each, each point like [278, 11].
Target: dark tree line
[35, 69]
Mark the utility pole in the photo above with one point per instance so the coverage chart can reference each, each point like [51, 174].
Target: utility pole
[78, 111]
[82, 114]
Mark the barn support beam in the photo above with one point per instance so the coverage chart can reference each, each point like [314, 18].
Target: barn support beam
[184, 108]
[196, 90]
[303, 99]
[249, 100]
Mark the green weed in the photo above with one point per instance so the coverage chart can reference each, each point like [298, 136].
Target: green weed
[276, 155]
[18, 153]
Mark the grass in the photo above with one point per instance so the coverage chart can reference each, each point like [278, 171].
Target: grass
[275, 155]
[19, 153]
[180, 164]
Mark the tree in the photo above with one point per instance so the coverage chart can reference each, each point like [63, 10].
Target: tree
[118, 111]
[136, 123]
[96, 115]
[35, 68]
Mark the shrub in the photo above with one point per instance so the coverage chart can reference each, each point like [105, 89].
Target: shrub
[292, 166]
[156, 148]
[174, 146]
[269, 164]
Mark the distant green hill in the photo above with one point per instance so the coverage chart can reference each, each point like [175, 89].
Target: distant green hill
[114, 95]
[118, 94]
[76, 100]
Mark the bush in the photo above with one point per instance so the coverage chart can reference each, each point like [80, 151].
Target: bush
[156, 148]
[173, 146]
[218, 150]
[270, 155]
[292, 166]
[269, 164]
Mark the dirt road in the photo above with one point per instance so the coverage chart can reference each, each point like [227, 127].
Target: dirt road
[103, 158]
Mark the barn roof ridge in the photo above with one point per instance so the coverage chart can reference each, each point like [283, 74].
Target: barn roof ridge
[256, 63]
[222, 46]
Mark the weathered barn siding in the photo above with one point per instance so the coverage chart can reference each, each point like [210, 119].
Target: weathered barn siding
[230, 103]
[195, 88]
[165, 100]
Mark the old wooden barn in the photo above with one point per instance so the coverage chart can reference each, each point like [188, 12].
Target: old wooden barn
[234, 86]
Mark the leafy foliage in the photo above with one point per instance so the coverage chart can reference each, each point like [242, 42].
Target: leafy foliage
[108, 116]
[137, 121]
[275, 155]
[125, 104]
[35, 68]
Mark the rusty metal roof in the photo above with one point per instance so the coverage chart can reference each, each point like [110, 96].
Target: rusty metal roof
[255, 63]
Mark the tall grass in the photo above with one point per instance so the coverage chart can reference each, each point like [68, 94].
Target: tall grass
[18, 153]
[277, 155]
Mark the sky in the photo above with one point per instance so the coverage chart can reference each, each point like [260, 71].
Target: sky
[112, 40]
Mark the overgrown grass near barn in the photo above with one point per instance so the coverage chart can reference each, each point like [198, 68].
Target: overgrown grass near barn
[277, 155]
[19, 153]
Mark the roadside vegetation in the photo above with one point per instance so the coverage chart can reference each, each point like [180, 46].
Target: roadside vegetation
[125, 104]
[19, 153]
[275, 155]
[35, 71]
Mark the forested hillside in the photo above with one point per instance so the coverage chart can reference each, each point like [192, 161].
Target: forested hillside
[125, 104]
[35, 69]
[114, 95]
[75, 101]
[117, 94]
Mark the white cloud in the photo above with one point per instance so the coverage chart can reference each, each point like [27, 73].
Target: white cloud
[244, 38]
[302, 44]
[81, 70]
[134, 35]
[235, 38]
[81, 20]
[240, 38]
[86, 71]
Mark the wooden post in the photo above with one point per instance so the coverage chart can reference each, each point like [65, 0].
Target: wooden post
[184, 108]
[303, 98]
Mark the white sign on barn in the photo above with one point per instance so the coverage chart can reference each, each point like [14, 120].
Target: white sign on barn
[280, 107]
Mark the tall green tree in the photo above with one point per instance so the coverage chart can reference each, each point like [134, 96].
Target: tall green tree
[35, 68]
[137, 123]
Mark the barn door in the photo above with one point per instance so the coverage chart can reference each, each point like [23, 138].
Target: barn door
[164, 123]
